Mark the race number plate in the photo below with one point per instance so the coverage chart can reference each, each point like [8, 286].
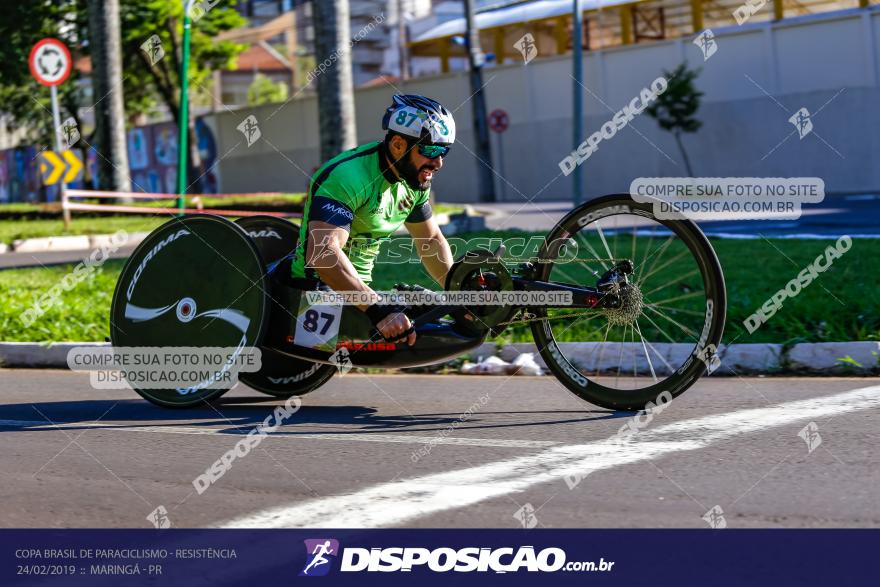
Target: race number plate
[317, 325]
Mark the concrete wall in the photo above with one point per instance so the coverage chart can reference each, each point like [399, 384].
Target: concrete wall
[760, 75]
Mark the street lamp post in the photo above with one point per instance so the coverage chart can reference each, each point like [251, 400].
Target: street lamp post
[183, 112]
[476, 59]
[578, 66]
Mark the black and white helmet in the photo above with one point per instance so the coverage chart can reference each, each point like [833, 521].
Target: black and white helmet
[414, 115]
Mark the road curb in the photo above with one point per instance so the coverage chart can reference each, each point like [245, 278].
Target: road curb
[68, 243]
[821, 358]
[840, 356]
[753, 358]
[97, 241]
[51, 243]
[34, 354]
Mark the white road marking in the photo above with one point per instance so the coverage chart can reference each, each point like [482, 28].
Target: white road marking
[401, 501]
[354, 437]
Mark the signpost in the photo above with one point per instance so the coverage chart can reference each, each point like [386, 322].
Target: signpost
[498, 123]
[50, 64]
[577, 63]
[183, 115]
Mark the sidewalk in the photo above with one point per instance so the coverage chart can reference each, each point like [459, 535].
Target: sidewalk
[57, 251]
[854, 215]
[538, 216]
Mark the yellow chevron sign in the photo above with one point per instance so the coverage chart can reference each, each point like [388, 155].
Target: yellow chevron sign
[53, 166]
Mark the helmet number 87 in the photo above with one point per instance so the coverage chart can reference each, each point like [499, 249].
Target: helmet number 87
[401, 118]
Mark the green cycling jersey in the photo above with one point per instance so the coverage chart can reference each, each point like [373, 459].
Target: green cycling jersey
[356, 190]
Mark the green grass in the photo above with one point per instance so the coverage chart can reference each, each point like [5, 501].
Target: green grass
[20, 208]
[842, 304]
[11, 230]
[80, 314]
[21, 221]
[754, 270]
[269, 201]
[15, 222]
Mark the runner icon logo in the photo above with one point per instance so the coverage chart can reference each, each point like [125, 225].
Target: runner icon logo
[319, 553]
[802, 122]
[705, 41]
[342, 359]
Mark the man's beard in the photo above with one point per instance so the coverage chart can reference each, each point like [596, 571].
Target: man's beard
[410, 173]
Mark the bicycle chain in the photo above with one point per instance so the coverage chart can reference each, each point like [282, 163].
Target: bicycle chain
[543, 318]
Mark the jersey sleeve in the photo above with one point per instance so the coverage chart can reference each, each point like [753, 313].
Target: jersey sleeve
[421, 209]
[334, 202]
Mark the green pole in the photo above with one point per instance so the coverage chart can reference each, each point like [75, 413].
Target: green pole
[183, 117]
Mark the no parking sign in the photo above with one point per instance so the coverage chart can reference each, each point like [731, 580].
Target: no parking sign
[499, 120]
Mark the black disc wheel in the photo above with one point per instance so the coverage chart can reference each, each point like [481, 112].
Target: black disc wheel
[196, 281]
[280, 375]
[275, 237]
[666, 329]
[285, 376]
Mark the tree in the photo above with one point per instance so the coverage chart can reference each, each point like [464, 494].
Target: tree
[151, 39]
[674, 109]
[145, 85]
[335, 88]
[21, 98]
[104, 41]
[264, 91]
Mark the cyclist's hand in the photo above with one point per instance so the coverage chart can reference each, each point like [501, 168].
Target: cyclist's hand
[394, 325]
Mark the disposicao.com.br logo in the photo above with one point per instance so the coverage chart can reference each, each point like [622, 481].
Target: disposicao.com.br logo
[318, 551]
[444, 559]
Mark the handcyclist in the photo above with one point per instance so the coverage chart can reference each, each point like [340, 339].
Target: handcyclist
[358, 199]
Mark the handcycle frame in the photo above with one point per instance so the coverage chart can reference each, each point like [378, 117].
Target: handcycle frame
[204, 281]
[437, 340]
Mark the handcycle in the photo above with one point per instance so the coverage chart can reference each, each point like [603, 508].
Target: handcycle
[646, 312]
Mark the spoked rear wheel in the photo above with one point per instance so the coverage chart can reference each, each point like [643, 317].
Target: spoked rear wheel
[668, 325]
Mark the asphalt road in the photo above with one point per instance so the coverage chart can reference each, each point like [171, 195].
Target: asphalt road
[443, 451]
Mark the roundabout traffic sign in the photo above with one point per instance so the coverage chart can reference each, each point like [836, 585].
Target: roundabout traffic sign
[50, 62]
